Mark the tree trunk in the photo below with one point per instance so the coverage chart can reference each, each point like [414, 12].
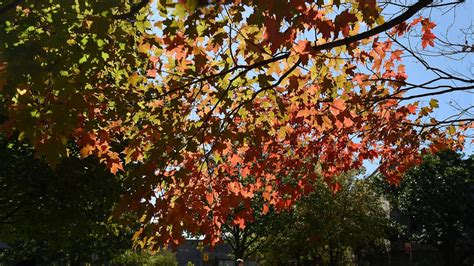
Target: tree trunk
[448, 250]
[332, 257]
[239, 253]
[449, 256]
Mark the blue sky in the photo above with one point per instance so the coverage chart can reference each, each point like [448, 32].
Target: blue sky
[449, 23]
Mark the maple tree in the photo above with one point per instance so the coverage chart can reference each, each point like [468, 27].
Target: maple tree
[194, 92]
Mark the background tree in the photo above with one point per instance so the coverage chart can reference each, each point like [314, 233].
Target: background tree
[438, 196]
[61, 214]
[130, 258]
[247, 239]
[328, 228]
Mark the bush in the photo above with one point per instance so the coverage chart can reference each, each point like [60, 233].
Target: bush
[130, 258]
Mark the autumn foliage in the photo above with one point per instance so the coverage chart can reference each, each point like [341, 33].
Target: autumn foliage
[215, 103]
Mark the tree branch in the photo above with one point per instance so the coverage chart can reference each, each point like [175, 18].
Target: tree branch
[444, 122]
[430, 93]
[346, 41]
[411, 11]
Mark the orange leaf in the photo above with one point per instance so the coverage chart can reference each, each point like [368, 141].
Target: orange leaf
[412, 108]
[240, 222]
[303, 47]
[86, 150]
[151, 73]
[235, 159]
[244, 172]
[234, 187]
[115, 167]
[427, 39]
[337, 106]
[303, 113]
[348, 122]
[210, 198]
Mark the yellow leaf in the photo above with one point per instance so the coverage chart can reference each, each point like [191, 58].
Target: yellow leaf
[434, 103]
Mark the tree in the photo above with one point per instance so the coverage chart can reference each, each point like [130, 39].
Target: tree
[247, 239]
[437, 196]
[242, 82]
[327, 228]
[53, 215]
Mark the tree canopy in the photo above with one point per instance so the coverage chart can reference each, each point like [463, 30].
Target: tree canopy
[193, 92]
[58, 215]
[438, 196]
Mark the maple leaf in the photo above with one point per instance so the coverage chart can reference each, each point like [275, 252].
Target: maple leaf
[86, 150]
[335, 187]
[427, 39]
[325, 27]
[303, 113]
[303, 47]
[396, 55]
[348, 122]
[266, 195]
[337, 106]
[235, 159]
[240, 222]
[244, 172]
[342, 22]
[151, 73]
[416, 21]
[401, 28]
[115, 167]
[412, 108]
[234, 187]
[246, 193]
[265, 209]
[210, 198]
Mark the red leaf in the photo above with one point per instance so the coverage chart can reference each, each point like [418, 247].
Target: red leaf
[412, 108]
[427, 39]
[210, 198]
[240, 222]
[335, 187]
[325, 27]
